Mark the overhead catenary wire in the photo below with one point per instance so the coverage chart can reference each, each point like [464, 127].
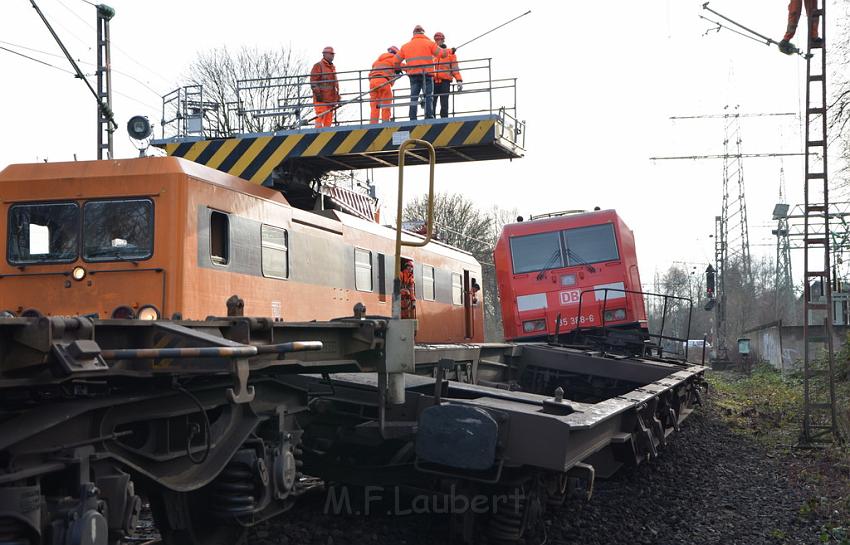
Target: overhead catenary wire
[125, 74]
[114, 45]
[36, 60]
[79, 73]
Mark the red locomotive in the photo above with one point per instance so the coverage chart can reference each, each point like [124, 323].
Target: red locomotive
[576, 267]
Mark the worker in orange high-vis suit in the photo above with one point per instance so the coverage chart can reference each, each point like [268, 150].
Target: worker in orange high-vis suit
[795, 9]
[407, 291]
[325, 88]
[419, 55]
[446, 71]
[381, 80]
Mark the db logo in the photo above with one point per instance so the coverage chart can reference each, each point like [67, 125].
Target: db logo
[570, 297]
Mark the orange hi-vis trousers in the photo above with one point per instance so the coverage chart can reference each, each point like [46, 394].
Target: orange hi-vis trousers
[795, 9]
[381, 95]
[324, 114]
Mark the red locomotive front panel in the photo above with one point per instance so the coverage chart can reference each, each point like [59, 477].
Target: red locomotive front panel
[580, 268]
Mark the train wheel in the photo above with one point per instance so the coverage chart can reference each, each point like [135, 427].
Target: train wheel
[519, 517]
[13, 532]
[185, 519]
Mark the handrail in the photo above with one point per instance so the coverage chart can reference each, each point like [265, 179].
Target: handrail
[429, 225]
[274, 103]
[660, 335]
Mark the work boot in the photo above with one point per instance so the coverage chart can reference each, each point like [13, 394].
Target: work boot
[815, 43]
[787, 47]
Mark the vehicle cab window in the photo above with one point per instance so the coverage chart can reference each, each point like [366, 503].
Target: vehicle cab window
[43, 233]
[118, 230]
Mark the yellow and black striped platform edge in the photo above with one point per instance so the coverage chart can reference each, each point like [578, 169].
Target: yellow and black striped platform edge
[254, 157]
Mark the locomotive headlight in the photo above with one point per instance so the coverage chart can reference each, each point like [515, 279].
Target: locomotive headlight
[148, 312]
[534, 325]
[123, 313]
[78, 273]
[615, 315]
[568, 280]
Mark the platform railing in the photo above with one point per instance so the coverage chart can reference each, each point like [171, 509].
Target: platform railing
[620, 293]
[271, 104]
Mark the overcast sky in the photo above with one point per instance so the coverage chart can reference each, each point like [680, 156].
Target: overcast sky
[597, 85]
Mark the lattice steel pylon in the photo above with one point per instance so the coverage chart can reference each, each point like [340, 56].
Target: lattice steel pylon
[819, 411]
[783, 281]
[734, 212]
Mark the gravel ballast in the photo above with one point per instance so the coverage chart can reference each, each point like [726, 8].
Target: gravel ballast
[709, 486]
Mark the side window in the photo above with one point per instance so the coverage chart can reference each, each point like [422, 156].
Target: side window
[428, 290]
[362, 270]
[219, 238]
[275, 250]
[457, 289]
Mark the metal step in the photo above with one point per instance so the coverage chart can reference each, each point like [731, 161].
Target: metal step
[816, 77]
[814, 111]
[816, 208]
[815, 176]
[816, 241]
[811, 274]
[815, 143]
[817, 306]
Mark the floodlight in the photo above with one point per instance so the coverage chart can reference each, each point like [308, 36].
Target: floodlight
[139, 127]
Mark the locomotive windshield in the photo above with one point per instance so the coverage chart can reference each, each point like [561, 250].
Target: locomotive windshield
[43, 233]
[117, 230]
[114, 230]
[568, 248]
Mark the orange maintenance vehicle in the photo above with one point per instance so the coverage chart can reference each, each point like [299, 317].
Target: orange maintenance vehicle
[164, 237]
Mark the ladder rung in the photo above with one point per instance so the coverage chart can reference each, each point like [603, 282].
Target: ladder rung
[817, 306]
[814, 339]
[816, 373]
[815, 175]
[813, 241]
[815, 143]
[815, 111]
[811, 274]
[816, 208]
[820, 405]
[816, 77]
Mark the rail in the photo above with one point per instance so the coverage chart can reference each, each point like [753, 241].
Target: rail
[276, 103]
[660, 335]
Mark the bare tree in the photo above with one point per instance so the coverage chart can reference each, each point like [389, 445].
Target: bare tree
[458, 222]
[250, 90]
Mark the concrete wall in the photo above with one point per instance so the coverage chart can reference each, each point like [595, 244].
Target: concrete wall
[782, 346]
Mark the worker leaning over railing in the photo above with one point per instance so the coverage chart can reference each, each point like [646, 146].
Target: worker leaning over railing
[419, 55]
[384, 72]
[325, 86]
[446, 71]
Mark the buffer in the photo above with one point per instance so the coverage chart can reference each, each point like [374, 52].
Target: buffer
[266, 135]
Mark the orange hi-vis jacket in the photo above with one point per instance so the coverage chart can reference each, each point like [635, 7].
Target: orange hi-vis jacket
[447, 69]
[419, 54]
[384, 67]
[323, 82]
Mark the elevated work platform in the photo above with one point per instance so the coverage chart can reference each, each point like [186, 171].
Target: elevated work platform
[265, 136]
[254, 157]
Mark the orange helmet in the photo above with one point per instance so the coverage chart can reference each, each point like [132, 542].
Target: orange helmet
[392, 49]
[418, 29]
[439, 36]
[328, 49]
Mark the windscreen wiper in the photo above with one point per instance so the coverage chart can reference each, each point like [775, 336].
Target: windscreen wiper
[580, 261]
[555, 255]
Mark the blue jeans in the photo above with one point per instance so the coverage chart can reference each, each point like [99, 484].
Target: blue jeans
[420, 83]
